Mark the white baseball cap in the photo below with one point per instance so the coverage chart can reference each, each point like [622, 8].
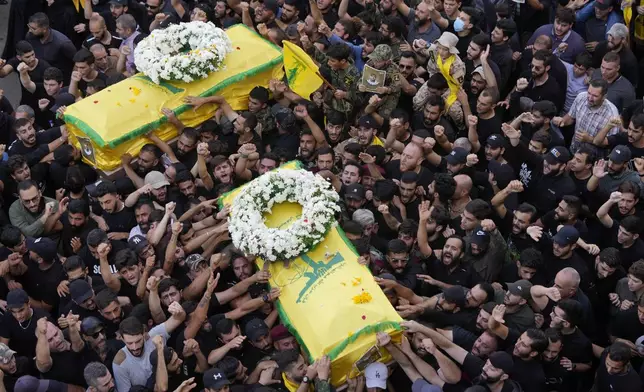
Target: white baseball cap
[376, 375]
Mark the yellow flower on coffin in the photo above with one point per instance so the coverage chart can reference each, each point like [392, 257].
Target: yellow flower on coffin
[356, 281]
[363, 298]
[132, 100]
[136, 91]
[119, 104]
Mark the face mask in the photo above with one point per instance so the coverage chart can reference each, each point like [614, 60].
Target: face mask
[459, 25]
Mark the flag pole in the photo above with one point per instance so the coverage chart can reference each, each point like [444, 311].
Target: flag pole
[325, 81]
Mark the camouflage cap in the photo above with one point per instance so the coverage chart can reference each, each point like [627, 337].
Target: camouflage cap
[382, 52]
[5, 353]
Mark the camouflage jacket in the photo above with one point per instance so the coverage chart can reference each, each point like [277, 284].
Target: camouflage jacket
[343, 79]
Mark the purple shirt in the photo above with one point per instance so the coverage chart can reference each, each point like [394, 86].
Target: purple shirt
[129, 63]
[575, 43]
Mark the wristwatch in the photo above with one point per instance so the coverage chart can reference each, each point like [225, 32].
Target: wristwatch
[306, 380]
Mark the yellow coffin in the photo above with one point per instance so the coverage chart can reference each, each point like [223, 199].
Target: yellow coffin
[317, 299]
[115, 121]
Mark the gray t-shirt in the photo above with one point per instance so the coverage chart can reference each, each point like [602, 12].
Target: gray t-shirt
[136, 370]
[621, 92]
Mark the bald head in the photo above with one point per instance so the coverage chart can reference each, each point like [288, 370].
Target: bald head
[463, 143]
[570, 275]
[463, 185]
[543, 42]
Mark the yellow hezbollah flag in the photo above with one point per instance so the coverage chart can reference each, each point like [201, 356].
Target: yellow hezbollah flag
[301, 71]
[114, 121]
[328, 301]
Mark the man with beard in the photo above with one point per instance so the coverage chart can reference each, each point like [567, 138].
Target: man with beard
[99, 378]
[130, 271]
[35, 146]
[486, 122]
[528, 266]
[431, 118]
[432, 222]
[119, 218]
[620, 91]
[480, 70]
[18, 326]
[407, 190]
[538, 119]
[615, 370]
[132, 363]
[447, 270]
[538, 85]
[354, 198]
[551, 362]
[76, 226]
[82, 302]
[559, 251]
[566, 42]
[290, 14]
[608, 272]
[500, 50]
[399, 265]
[34, 214]
[617, 42]
[142, 210]
[111, 311]
[528, 346]
[13, 367]
[632, 138]
[55, 356]
[568, 213]
[100, 34]
[420, 25]
[590, 111]
[514, 222]
[335, 123]
[624, 234]
[265, 13]
[167, 370]
[410, 160]
[485, 252]
[258, 334]
[608, 176]
[50, 45]
[147, 161]
[518, 314]
[307, 149]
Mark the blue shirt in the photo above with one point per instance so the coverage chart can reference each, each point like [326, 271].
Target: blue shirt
[576, 44]
[356, 51]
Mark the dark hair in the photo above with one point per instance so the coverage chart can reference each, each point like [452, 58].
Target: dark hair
[492, 93]
[353, 227]
[637, 269]
[125, 258]
[599, 83]
[40, 19]
[285, 359]
[400, 114]
[250, 120]
[142, 202]
[508, 26]
[349, 28]
[353, 148]
[375, 37]
[539, 340]
[489, 290]
[473, 13]
[259, 93]
[527, 208]
[531, 258]
[482, 40]
[553, 335]
[141, 312]
[378, 152]
[26, 185]
[445, 186]
[632, 224]
[396, 246]
[78, 206]
[104, 298]
[224, 327]
[395, 25]
[321, 151]
[435, 100]
[591, 157]
[64, 155]
[574, 203]
[131, 326]
[441, 216]
[156, 216]
[630, 187]
[611, 257]
[479, 208]
[73, 263]
[183, 176]
[384, 190]
[336, 118]
[16, 162]
[408, 55]
[543, 55]
[23, 47]
[611, 57]
[574, 311]
[104, 188]
[228, 365]
[584, 59]
[565, 15]
[356, 164]
[409, 177]
[438, 82]
[362, 245]
[53, 73]
[409, 227]
[638, 120]
[21, 122]
[84, 56]
[166, 284]
[546, 108]
[11, 236]
[619, 352]
[542, 137]
[97, 237]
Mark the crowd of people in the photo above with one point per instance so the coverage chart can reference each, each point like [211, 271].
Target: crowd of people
[491, 184]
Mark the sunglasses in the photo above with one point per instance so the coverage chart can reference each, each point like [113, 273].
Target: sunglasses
[96, 334]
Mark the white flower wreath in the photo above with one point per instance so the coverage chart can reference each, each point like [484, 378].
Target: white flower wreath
[183, 52]
[246, 222]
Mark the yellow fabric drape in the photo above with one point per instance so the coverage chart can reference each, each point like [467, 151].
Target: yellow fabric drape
[454, 85]
[292, 387]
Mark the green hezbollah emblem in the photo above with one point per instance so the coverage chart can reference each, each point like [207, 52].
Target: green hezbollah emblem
[318, 270]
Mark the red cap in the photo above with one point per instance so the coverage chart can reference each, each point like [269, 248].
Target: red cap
[280, 332]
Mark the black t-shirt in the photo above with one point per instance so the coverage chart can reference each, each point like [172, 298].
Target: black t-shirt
[24, 367]
[70, 232]
[82, 84]
[66, 367]
[35, 153]
[555, 375]
[463, 338]
[577, 347]
[93, 264]
[115, 42]
[622, 138]
[529, 374]
[36, 76]
[627, 255]
[22, 336]
[42, 284]
[606, 382]
[425, 177]
[487, 127]
[120, 222]
[460, 276]
[627, 325]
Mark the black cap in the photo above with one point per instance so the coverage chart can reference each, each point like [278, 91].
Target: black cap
[63, 99]
[480, 237]
[90, 325]
[80, 291]
[43, 247]
[620, 154]
[137, 243]
[455, 295]
[17, 298]
[502, 361]
[368, 121]
[567, 235]
[458, 156]
[557, 155]
[603, 4]
[214, 379]
[503, 173]
[167, 355]
[496, 141]
[354, 191]
[119, 2]
[255, 329]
